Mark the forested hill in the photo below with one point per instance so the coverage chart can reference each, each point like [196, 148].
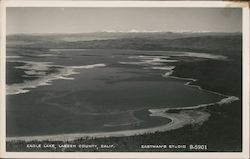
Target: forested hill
[226, 43]
[222, 44]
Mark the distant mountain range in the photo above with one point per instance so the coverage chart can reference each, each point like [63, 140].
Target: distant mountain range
[211, 42]
[116, 35]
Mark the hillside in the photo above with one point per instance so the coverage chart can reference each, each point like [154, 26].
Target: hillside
[221, 44]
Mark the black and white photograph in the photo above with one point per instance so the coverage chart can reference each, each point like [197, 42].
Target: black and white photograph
[124, 79]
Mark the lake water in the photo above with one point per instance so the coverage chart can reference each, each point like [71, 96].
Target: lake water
[71, 91]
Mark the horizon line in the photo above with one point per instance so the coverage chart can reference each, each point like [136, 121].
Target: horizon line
[131, 32]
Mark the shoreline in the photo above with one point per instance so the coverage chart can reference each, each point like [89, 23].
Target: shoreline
[178, 120]
[186, 116]
[63, 73]
[226, 100]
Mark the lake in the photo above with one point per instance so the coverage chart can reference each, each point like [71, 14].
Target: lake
[74, 91]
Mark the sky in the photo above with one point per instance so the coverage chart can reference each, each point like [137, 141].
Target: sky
[80, 20]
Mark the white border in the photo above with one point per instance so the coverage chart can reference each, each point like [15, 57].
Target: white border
[2, 77]
[159, 4]
[245, 79]
[220, 4]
